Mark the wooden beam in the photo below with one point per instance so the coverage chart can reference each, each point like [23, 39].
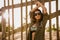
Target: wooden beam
[19, 5]
[46, 0]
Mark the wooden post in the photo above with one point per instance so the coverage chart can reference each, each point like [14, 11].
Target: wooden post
[57, 20]
[26, 19]
[12, 20]
[8, 22]
[50, 21]
[3, 25]
[21, 23]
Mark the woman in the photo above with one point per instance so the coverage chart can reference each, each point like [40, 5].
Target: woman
[38, 22]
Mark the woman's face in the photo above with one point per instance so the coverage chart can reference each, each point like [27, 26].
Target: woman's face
[37, 16]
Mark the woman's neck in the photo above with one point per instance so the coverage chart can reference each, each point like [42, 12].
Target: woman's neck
[37, 21]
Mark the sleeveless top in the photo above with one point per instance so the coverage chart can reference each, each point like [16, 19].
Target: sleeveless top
[33, 28]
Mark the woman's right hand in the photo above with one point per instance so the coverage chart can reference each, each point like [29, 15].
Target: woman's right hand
[38, 4]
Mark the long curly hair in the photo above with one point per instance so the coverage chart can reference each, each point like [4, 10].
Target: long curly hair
[32, 17]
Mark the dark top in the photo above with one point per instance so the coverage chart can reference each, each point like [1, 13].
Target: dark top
[39, 33]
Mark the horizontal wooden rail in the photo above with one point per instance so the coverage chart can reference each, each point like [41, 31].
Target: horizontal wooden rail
[21, 4]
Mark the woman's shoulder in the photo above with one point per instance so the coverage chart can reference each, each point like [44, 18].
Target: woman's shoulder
[45, 14]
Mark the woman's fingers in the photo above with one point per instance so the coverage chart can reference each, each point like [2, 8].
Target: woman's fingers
[36, 4]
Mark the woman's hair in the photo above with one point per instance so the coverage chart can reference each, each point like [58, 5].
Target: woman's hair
[33, 20]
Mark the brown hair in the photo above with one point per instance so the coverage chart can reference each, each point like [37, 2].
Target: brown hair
[32, 17]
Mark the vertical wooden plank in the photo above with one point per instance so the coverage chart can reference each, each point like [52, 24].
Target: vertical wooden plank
[26, 19]
[31, 4]
[12, 20]
[3, 28]
[21, 23]
[3, 25]
[8, 22]
[57, 20]
[50, 20]
[4, 3]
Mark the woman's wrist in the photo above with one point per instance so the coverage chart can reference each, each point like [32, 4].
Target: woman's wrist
[44, 9]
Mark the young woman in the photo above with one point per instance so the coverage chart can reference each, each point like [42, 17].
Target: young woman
[38, 22]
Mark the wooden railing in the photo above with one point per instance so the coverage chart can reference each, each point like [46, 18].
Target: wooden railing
[55, 14]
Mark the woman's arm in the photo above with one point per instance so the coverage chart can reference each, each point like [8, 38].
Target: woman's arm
[37, 6]
[43, 7]
[34, 9]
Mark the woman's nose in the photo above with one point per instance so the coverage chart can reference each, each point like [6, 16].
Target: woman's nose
[37, 14]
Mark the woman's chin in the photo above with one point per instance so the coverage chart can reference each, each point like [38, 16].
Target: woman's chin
[37, 18]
